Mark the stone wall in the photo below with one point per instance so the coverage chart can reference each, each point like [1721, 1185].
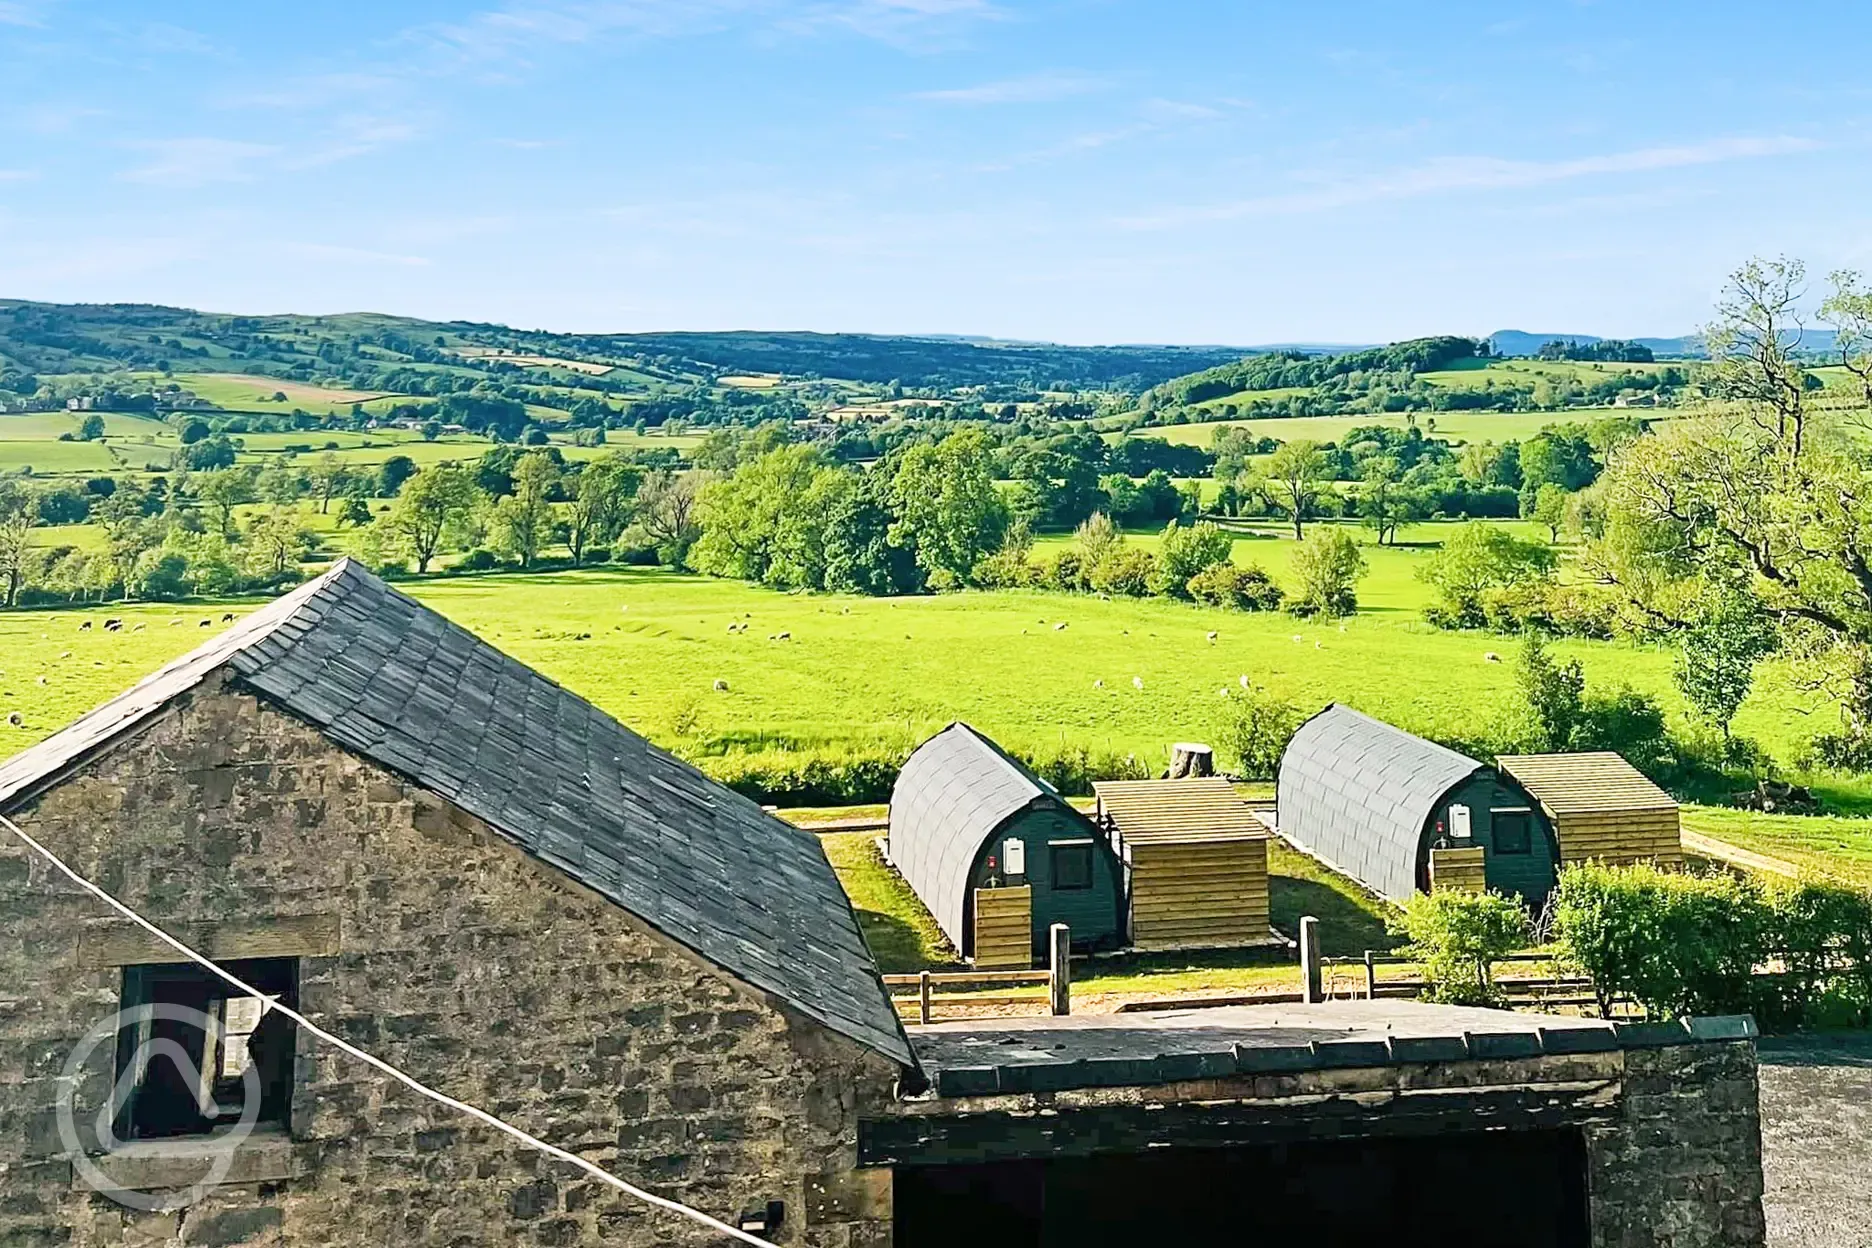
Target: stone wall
[430, 941]
[1683, 1168]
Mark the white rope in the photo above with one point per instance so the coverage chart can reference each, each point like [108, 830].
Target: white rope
[461, 1107]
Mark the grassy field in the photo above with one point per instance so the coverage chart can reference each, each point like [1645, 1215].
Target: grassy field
[247, 393]
[1477, 374]
[647, 646]
[1453, 426]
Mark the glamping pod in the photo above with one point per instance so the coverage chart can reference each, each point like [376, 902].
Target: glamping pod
[1601, 807]
[997, 855]
[1400, 814]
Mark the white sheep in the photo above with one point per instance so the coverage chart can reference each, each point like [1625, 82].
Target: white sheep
[1212, 636]
[1298, 639]
[786, 636]
[1491, 657]
[113, 626]
[16, 720]
[138, 627]
[1098, 684]
[1244, 680]
[1057, 627]
[1137, 682]
[721, 686]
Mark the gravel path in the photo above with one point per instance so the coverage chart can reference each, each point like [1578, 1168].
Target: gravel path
[1816, 1100]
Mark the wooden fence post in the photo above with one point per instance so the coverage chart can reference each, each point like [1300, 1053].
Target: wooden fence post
[1310, 991]
[923, 997]
[1371, 977]
[1059, 968]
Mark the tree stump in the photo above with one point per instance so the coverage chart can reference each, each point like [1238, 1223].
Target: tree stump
[1188, 759]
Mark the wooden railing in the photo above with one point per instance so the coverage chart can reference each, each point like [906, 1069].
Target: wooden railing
[1553, 989]
[1057, 977]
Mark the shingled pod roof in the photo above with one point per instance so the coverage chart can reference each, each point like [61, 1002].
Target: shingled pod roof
[951, 794]
[1356, 793]
[389, 679]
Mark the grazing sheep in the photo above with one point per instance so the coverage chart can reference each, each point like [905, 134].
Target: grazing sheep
[1298, 639]
[1319, 645]
[1222, 692]
[85, 627]
[1098, 684]
[228, 618]
[721, 686]
[138, 627]
[66, 655]
[42, 680]
[1212, 637]
[1057, 627]
[786, 636]
[1137, 682]
[1491, 657]
[175, 623]
[16, 720]
[113, 626]
[1244, 680]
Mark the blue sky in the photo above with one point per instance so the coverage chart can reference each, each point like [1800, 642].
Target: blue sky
[1074, 170]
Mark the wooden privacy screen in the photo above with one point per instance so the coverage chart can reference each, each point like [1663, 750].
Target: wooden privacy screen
[1458, 869]
[1003, 929]
[1199, 891]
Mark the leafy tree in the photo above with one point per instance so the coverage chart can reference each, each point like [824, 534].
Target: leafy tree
[193, 430]
[1327, 567]
[225, 489]
[430, 430]
[1764, 495]
[494, 415]
[1296, 473]
[329, 476]
[276, 541]
[1550, 509]
[1554, 692]
[1384, 504]
[128, 529]
[1474, 559]
[394, 472]
[947, 505]
[210, 453]
[1254, 729]
[766, 522]
[1239, 589]
[522, 521]
[1716, 657]
[356, 511]
[1185, 551]
[91, 428]
[666, 513]
[432, 504]
[19, 512]
[860, 558]
[600, 504]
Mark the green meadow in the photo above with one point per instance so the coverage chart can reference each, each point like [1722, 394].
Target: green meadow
[1455, 426]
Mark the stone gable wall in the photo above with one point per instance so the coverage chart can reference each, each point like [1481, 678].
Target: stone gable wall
[446, 951]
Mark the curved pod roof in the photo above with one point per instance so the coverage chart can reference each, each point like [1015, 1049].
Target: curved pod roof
[951, 795]
[1355, 793]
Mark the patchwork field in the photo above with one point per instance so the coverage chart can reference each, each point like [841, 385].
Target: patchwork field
[1455, 426]
[249, 393]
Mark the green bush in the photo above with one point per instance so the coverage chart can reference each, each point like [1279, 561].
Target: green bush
[1006, 569]
[480, 559]
[799, 774]
[1239, 589]
[1254, 729]
[1455, 935]
[1125, 571]
[1067, 572]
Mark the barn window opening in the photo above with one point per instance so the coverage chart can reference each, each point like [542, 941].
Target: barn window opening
[1513, 831]
[193, 1052]
[1072, 865]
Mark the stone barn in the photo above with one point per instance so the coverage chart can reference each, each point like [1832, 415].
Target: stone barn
[997, 855]
[460, 866]
[1400, 814]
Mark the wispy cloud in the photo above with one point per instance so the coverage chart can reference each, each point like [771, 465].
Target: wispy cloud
[197, 161]
[19, 13]
[350, 137]
[354, 255]
[19, 175]
[1481, 173]
[1027, 89]
[310, 91]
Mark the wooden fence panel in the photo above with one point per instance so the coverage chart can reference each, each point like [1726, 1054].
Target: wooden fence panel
[1003, 929]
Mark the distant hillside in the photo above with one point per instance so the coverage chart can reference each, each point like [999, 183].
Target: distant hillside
[1280, 370]
[1518, 342]
[373, 351]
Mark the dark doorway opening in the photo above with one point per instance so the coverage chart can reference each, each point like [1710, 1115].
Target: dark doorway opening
[1523, 1189]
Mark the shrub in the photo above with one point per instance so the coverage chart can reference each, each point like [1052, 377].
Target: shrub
[1006, 569]
[1456, 935]
[1478, 558]
[1239, 589]
[597, 554]
[480, 559]
[1066, 572]
[1254, 730]
[1185, 551]
[1676, 943]
[1124, 570]
[1327, 566]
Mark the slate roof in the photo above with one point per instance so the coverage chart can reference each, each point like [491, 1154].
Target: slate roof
[391, 680]
[951, 795]
[1355, 793]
